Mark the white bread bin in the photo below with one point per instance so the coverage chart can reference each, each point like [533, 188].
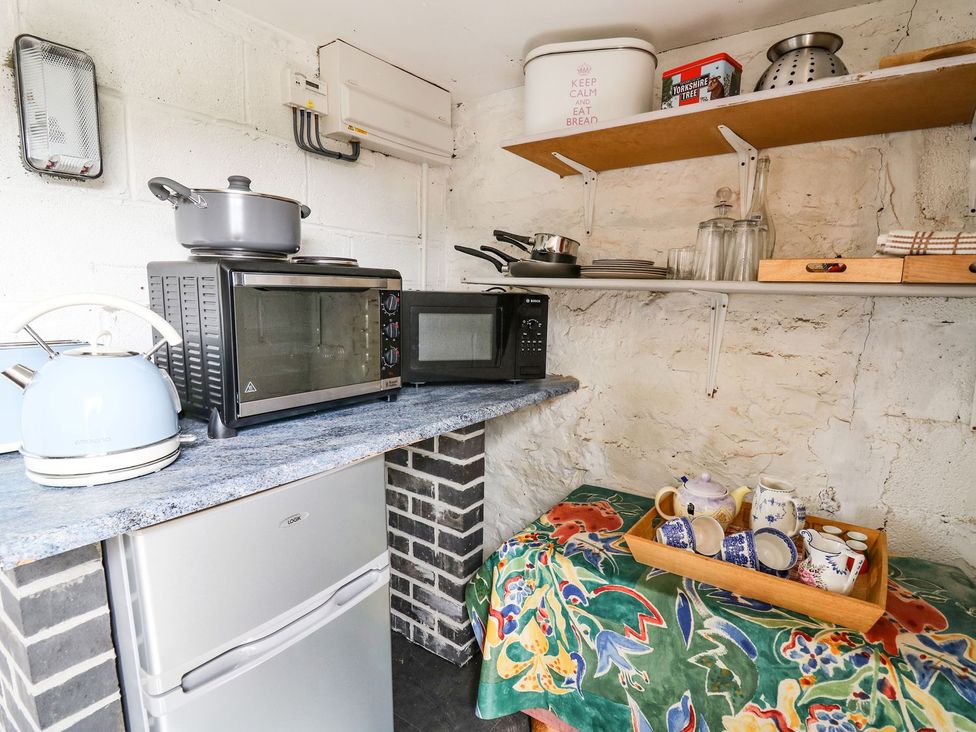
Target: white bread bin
[577, 84]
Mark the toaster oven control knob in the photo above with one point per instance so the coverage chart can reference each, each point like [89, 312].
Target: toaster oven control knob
[391, 302]
[391, 356]
[391, 330]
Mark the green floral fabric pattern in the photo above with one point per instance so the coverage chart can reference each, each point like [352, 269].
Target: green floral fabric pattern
[568, 621]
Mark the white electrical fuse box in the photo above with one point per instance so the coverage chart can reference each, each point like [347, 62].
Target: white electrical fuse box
[383, 107]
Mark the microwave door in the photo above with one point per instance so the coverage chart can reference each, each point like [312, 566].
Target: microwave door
[466, 342]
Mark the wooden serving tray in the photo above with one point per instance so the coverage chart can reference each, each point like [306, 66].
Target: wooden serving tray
[941, 268]
[865, 269]
[859, 610]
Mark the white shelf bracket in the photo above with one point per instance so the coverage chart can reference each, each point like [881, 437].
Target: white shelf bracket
[589, 189]
[719, 305]
[747, 167]
[972, 175]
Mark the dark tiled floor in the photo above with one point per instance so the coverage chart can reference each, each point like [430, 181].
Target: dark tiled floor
[433, 695]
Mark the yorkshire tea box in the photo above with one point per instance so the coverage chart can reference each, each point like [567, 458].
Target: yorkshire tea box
[709, 78]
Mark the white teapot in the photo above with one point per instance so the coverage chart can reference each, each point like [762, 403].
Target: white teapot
[703, 497]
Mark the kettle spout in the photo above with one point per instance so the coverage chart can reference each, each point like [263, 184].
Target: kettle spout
[20, 375]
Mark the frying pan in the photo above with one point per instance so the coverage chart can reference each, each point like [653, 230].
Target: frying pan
[545, 247]
[507, 264]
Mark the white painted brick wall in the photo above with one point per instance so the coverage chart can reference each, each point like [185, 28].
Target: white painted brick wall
[188, 89]
[863, 403]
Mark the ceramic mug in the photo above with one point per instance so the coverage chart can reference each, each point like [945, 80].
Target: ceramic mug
[708, 535]
[677, 533]
[776, 552]
[859, 547]
[740, 549]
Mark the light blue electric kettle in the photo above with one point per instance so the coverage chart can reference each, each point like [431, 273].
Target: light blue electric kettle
[95, 414]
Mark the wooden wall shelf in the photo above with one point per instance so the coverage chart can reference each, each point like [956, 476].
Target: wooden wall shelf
[917, 96]
[849, 289]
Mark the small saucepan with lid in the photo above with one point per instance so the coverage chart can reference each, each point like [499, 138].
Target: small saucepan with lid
[544, 247]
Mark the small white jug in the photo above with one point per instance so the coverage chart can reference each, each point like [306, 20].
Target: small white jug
[825, 565]
[775, 506]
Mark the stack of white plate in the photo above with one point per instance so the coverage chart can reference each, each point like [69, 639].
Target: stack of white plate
[625, 269]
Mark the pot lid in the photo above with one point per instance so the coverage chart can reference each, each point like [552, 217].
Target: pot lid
[242, 184]
[596, 44]
[703, 486]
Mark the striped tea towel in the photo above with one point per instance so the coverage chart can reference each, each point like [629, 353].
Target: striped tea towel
[904, 242]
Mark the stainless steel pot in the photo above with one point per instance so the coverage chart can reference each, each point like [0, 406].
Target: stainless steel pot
[233, 218]
[545, 247]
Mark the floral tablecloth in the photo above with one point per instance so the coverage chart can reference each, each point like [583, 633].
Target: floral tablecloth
[568, 621]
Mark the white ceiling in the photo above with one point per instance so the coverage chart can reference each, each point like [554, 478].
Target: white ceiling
[476, 48]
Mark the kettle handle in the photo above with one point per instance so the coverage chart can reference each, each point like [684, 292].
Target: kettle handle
[109, 302]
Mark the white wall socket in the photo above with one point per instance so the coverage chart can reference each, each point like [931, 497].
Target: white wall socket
[304, 92]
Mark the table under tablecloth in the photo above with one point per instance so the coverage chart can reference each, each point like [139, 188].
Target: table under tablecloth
[568, 621]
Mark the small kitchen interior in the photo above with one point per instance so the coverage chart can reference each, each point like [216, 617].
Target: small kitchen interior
[563, 367]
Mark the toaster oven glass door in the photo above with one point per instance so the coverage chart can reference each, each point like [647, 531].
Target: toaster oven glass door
[299, 344]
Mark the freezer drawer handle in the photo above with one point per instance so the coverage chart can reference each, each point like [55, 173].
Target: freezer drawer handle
[254, 652]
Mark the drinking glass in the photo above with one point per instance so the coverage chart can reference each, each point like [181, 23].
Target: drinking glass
[710, 252]
[681, 263]
[743, 261]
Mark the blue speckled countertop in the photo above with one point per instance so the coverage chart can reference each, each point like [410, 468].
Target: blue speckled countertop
[38, 522]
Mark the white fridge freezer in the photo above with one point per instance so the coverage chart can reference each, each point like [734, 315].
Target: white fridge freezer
[270, 612]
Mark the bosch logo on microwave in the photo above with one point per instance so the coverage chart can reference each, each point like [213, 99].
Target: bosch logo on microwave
[533, 300]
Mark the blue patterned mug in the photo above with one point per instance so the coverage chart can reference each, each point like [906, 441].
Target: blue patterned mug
[677, 533]
[740, 549]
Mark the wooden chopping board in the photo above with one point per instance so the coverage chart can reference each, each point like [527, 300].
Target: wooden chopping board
[927, 54]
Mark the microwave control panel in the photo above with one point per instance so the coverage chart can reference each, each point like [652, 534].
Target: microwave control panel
[532, 325]
[389, 334]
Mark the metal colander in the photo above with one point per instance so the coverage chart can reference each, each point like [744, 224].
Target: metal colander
[802, 58]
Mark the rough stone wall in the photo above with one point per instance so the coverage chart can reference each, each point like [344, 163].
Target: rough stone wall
[863, 403]
[191, 90]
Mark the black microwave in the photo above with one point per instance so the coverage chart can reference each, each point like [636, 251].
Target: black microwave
[473, 336]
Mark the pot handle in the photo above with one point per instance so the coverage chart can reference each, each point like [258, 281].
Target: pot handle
[167, 189]
[304, 210]
[520, 241]
[480, 255]
[499, 253]
[109, 302]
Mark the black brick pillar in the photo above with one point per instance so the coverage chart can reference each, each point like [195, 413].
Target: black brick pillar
[435, 494]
